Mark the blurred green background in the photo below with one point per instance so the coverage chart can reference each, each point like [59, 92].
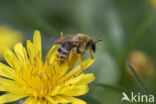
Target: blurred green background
[127, 28]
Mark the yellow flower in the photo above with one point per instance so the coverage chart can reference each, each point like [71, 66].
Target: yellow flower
[42, 82]
[8, 37]
[153, 3]
[141, 63]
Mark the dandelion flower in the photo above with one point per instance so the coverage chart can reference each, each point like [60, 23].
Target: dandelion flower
[8, 37]
[42, 82]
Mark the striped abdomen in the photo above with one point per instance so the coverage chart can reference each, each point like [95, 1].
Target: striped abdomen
[63, 51]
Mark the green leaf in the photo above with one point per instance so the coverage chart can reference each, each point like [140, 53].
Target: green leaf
[90, 100]
[114, 88]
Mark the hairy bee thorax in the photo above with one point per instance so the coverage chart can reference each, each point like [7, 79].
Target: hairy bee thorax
[86, 43]
[83, 38]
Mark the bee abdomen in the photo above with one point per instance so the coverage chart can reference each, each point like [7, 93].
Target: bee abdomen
[62, 54]
[63, 51]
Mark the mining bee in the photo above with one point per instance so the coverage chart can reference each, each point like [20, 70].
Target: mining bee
[79, 42]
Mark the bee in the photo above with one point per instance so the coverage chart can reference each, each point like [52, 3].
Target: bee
[67, 44]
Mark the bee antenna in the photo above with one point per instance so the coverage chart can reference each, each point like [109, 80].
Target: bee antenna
[61, 36]
[99, 40]
[61, 33]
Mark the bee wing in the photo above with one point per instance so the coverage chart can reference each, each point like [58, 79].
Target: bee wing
[63, 39]
[54, 39]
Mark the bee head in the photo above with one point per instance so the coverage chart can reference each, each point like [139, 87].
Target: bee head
[92, 45]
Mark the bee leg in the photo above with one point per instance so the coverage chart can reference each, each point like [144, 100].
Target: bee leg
[59, 60]
[91, 55]
[78, 51]
[69, 58]
[81, 62]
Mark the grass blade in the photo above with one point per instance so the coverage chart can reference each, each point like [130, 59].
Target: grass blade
[118, 89]
[137, 77]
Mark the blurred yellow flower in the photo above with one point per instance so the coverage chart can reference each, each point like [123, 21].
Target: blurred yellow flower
[141, 63]
[42, 82]
[8, 37]
[153, 3]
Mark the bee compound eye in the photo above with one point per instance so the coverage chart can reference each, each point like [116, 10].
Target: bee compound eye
[92, 45]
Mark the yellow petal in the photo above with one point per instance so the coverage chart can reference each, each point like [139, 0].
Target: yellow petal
[11, 86]
[77, 69]
[10, 98]
[8, 85]
[11, 59]
[87, 78]
[2, 88]
[81, 79]
[28, 101]
[33, 100]
[55, 91]
[61, 69]
[7, 71]
[37, 44]
[74, 100]
[74, 90]
[60, 99]
[74, 80]
[44, 102]
[21, 53]
[4, 81]
[30, 50]
[51, 55]
[16, 89]
[51, 100]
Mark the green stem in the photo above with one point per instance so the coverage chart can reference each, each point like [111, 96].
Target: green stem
[118, 89]
[137, 77]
